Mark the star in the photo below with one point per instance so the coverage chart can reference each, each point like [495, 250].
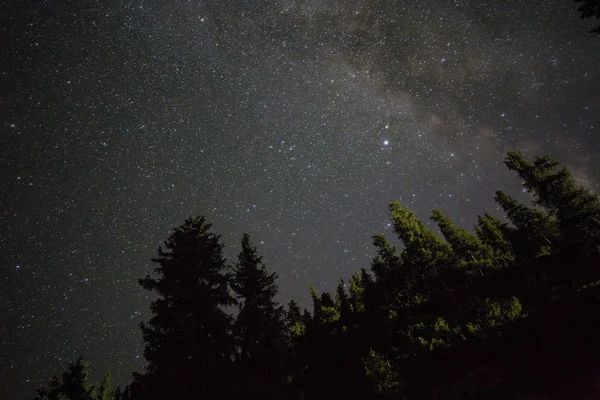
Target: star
[189, 109]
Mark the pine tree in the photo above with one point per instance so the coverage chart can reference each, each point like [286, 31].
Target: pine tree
[330, 312]
[187, 341]
[118, 394]
[429, 259]
[422, 248]
[74, 385]
[590, 9]
[576, 208]
[370, 295]
[294, 319]
[496, 234]
[103, 391]
[393, 279]
[387, 262]
[259, 327]
[469, 251]
[342, 304]
[356, 291]
[316, 302]
[536, 232]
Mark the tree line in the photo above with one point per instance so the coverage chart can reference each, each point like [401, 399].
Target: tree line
[506, 311]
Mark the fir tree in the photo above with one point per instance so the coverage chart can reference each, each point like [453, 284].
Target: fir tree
[356, 297]
[342, 304]
[429, 260]
[496, 234]
[74, 385]
[259, 327]
[469, 251]
[393, 279]
[104, 391]
[536, 232]
[187, 341]
[590, 9]
[423, 252]
[576, 208]
[387, 262]
[118, 394]
[317, 315]
[294, 319]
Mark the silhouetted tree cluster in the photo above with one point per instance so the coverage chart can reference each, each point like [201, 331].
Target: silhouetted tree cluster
[590, 9]
[500, 312]
[74, 385]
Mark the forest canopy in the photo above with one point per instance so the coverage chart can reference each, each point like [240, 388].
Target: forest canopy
[504, 311]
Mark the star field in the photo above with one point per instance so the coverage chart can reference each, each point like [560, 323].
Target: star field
[295, 121]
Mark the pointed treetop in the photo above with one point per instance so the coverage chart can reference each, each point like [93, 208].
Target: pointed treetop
[422, 246]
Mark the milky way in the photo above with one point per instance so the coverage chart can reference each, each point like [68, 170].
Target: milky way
[295, 121]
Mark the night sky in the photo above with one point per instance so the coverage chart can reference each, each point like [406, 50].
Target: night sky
[295, 121]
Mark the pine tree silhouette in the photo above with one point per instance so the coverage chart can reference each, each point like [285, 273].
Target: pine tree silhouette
[188, 343]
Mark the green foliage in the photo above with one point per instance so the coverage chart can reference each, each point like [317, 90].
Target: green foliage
[74, 385]
[387, 262]
[575, 208]
[536, 232]
[423, 250]
[496, 234]
[492, 314]
[432, 333]
[294, 322]
[388, 383]
[343, 307]
[104, 390]
[394, 279]
[470, 253]
[329, 310]
[383, 333]
[357, 298]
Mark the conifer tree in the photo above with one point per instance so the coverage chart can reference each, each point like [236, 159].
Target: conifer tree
[590, 9]
[356, 291]
[496, 234]
[370, 295]
[119, 394]
[422, 248]
[536, 231]
[317, 315]
[469, 251]
[104, 391]
[387, 262]
[259, 327]
[576, 208]
[342, 303]
[187, 341]
[428, 258]
[74, 385]
[294, 319]
[393, 279]
[389, 326]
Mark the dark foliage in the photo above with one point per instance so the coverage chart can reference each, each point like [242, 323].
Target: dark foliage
[74, 385]
[258, 331]
[590, 9]
[188, 340]
[506, 311]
